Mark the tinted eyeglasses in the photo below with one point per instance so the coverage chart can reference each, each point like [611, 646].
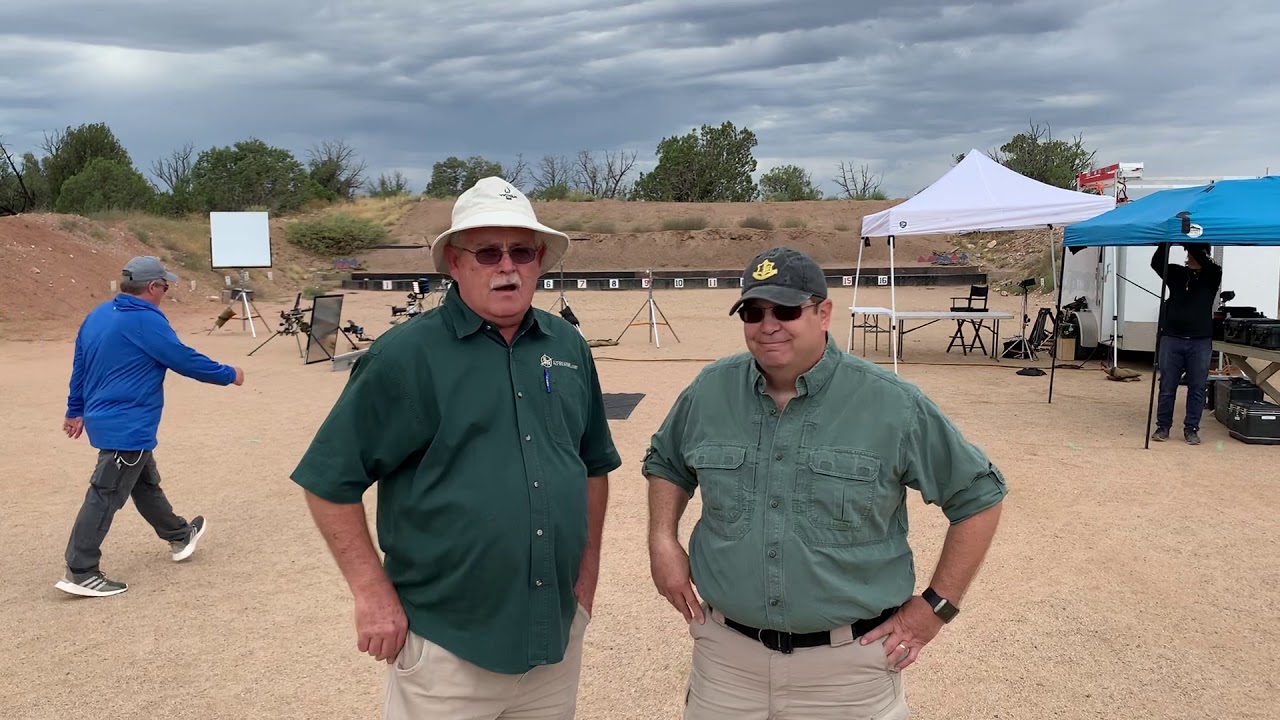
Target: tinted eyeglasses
[752, 314]
[520, 254]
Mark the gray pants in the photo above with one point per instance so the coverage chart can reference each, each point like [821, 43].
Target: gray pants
[120, 474]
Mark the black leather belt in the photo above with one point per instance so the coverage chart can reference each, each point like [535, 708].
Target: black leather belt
[785, 642]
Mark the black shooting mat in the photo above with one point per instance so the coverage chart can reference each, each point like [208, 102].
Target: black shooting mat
[618, 406]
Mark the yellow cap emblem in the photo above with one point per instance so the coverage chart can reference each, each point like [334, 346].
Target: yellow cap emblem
[765, 270]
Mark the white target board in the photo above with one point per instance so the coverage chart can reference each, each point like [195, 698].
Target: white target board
[882, 280]
[386, 284]
[679, 282]
[613, 283]
[239, 240]
[548, 284]
[582, 284]
[847, 280]
[711, 282]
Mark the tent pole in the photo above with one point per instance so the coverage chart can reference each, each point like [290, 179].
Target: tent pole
[1155, 366]
[1115, 305]
[1053, 358]
[893, 305]
[1053, 260]
[857, 277]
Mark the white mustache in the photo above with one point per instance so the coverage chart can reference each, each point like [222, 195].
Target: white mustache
[508, 279]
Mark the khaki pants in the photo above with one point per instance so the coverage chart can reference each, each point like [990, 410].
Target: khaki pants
[428, 682]
[736, 677]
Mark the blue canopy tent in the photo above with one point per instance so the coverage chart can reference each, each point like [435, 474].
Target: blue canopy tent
[1227, 212]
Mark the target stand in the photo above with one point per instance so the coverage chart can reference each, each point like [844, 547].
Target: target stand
[654, 313]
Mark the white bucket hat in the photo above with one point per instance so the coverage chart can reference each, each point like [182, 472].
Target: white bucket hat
[494, 202]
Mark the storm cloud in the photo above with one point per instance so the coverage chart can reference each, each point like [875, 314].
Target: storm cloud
[1188, 88]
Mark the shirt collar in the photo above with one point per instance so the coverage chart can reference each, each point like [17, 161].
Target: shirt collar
[812, 380]
[466, 322]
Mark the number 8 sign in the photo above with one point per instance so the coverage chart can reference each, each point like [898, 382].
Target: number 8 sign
[613, 283]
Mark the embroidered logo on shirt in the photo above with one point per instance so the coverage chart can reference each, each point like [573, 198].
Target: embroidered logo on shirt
[765, 270]
[548, 361]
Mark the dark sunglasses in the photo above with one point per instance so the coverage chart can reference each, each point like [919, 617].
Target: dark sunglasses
[752, 314]
[520, 254]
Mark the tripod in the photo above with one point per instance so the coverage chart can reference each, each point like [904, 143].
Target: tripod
[1019, 347]
[291, 323]
[654, 311]
[565, 311]
[250, 311]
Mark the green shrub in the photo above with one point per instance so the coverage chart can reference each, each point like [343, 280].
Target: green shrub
[756, 223]
[337, 234]
[794, 223]
[689, 223]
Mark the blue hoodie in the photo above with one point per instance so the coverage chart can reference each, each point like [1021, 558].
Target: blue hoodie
[123, 349]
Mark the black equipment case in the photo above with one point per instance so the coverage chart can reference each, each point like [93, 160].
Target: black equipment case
[1239, 331]
[1255, 423]
[1234, 390]
[1265, 335]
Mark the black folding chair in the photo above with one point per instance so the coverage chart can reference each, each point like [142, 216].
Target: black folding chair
[975, 301]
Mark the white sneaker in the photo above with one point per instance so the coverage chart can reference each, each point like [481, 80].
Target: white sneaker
[182, 549]
[93, 584]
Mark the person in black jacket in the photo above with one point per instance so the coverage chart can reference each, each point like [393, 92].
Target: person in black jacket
[1186, 339]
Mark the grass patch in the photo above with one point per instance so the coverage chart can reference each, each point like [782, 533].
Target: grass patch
[186, 241]
[794, 223]
[385, 211]
[685, 223]
[605, 227]
[572, 225]
[641, 228]
[841, 227]
[756, 223]
[336, 234]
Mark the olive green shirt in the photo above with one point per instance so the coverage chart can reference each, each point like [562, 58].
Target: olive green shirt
[481, 452]
[804, 522]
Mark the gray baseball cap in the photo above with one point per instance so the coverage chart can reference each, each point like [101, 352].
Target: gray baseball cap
[782, 276]
[146, 269]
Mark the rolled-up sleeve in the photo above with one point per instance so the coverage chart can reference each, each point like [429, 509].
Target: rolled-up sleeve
[596, 449]
[665, 455]
[946, 469]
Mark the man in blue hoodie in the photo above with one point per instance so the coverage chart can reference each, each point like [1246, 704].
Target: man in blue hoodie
[123, 350]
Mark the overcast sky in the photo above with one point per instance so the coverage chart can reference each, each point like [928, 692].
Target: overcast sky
[1188, 87]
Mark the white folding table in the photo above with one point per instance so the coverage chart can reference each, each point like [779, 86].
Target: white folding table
[870, 324]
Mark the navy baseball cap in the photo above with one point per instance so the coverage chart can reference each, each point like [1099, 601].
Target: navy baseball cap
[146, 269]
[782, 276]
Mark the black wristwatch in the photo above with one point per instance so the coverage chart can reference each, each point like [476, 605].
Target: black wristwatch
[942, 607]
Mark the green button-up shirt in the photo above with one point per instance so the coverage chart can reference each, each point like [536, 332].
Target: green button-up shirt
[804, 522]
[481, 452]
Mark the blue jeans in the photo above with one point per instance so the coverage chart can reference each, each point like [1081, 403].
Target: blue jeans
[1179, 355]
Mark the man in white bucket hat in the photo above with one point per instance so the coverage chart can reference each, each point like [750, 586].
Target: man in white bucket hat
[482, 423]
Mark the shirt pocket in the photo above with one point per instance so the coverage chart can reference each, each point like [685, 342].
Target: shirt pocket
[726, 478]
[835, 494]
[565, 409]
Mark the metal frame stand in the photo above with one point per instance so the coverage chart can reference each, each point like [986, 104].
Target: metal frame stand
[654, 312]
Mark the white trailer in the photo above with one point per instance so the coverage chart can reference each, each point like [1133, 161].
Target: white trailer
[1122, 290]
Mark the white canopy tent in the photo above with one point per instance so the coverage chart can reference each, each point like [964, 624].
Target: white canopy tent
[978, 194]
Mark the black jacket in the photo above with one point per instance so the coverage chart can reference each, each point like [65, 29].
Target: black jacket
[1192, 293]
